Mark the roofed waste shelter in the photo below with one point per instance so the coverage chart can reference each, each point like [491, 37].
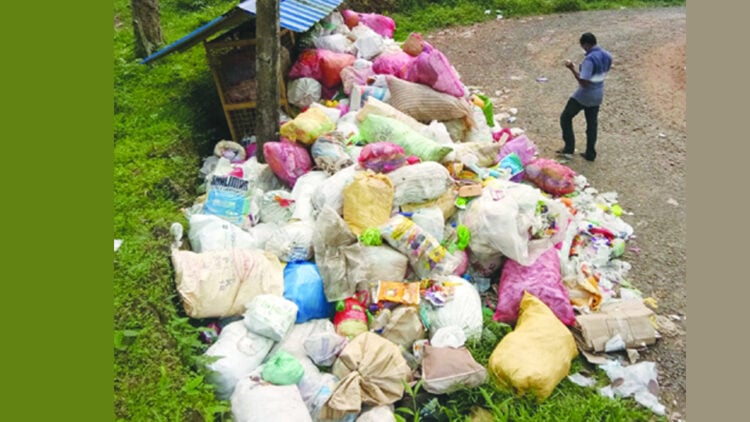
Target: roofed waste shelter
[229, 42]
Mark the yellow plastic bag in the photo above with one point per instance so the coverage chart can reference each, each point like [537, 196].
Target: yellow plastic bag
[536, 356]
[308, 126]
[368, 201]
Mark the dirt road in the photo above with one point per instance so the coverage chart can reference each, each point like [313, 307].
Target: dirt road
[642, 146]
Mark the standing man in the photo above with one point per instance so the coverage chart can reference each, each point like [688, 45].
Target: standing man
[590, 76]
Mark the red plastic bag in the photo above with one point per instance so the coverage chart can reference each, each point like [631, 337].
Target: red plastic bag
[322, 65]
[288, 160]
[351, 317]
[541, 279]
[331, 65]
[550, 176]
[306, 66]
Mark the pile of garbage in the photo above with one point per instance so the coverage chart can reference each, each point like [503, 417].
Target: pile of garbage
[354, 262]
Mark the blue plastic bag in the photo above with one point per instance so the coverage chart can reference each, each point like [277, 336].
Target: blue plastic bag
[303, 285]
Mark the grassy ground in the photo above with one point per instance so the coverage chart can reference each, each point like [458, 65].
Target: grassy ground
[167, 116]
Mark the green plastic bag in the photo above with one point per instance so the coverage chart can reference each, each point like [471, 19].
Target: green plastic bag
[379, 128]
[283, 369]
[488, 110]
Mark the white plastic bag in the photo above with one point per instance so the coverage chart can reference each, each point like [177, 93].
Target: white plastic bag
[294, 340]
[639, 380]
[255, 400]
[331, 193]
[240, 352]
[220, 283]
[464, 310]
[303, 193]
[366, 264]
[431, 219]
[211, 233]
[420, 182]
[502, 218]
[270, 316]
[276, 206]
[324, 347]
[293, 241]
[304, 91]
[330, 236]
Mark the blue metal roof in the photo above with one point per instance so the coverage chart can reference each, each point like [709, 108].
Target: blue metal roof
[295, 15]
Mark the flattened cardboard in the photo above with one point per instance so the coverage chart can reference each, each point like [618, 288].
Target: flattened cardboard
[631, 319]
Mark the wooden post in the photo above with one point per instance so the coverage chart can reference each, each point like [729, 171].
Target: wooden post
[267, 66]
[146, 26]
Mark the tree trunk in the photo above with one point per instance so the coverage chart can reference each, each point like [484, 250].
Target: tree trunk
[267, 66]
[146, 26]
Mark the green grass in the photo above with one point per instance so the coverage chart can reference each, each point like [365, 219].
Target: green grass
[166, 118]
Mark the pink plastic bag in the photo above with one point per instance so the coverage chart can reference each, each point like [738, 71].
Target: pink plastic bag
[542, 279]
[550, 176]
[383, 25]
[523, 147]
[351, 76]
[382, 157]
[392, 64]
[288, 160]
[432, 68]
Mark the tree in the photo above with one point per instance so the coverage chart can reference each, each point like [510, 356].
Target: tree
[146, 26]
[268, 69]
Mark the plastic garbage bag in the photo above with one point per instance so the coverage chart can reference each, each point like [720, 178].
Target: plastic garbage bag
[536, 355]
[303, 91]
[382, 157]
[276, 207]
[303, 192]
[375, 128]
[515, 220]
[287, 160]
[433, 69]
[464, 310]
[426, 104]
[542, 279]
[332, 192]
[239, 352]
[294, 340]
[329, 154]
[211, 233]
[324, 347]
[404, 327]
[368, 264]
[392, 64]
[330, 237]
[270, 316]
[371, 370]
[419, 182]
[307, 126]
[426, 255]
[550, 176]
[282, 369]
[445, 370]
[255, 400]
[303, 285]
[220, 283]
[383, 25]
[293, 241]
[368, 201]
